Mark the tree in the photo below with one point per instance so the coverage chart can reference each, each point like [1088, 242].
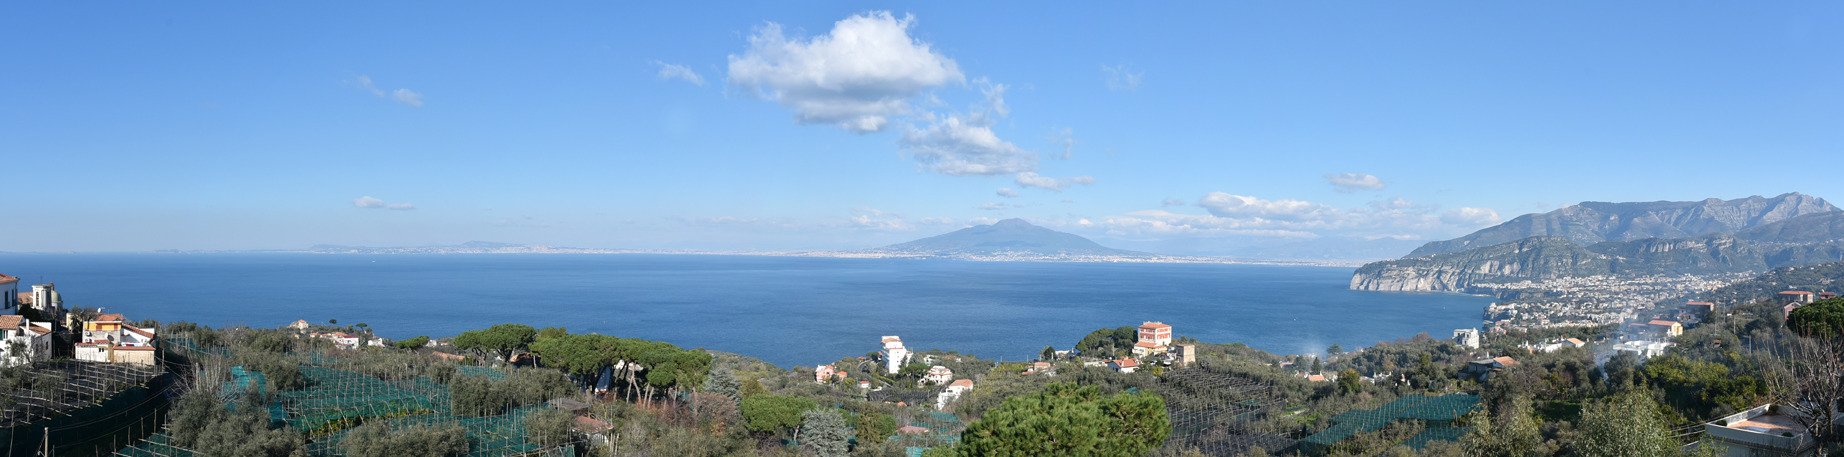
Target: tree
[774, 414]
[378, 439]
[1811, 387]
[1627, 423]
[1048, 354]
[1066, 419]
[412, 342]
[1821, 319]
[723, 382]
[503, 339]
[550, 427]
[1334, 351]
[1316, 366]
[1108, 341]
[874, 427]
[1348, 382]
[823, 433]
[1513, 431]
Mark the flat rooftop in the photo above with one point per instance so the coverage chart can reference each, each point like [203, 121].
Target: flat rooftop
[1772, 424]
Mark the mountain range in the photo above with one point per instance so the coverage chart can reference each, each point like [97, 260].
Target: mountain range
[1641, 238]
[1010, 237]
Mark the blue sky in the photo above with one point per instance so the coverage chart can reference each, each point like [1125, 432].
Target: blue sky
[1204, 129]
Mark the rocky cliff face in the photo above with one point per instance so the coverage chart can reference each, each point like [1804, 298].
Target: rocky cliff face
[1594, 222]
[1751, 234]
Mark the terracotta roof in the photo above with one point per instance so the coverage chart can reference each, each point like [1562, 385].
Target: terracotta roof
[1155, 325]
[134, 348]
[1147, 344]
[1795, 292]
[1662, 322]
[41, 328]
[1316, 378]
[25, 297]
[588, 424]
[968, 383]
[11, 321]
[8, 279]
[1127, 363]
[1576, 341]
[111, 317]
[138, 331]
[911, 430]
[1505, 360]
[889, 339]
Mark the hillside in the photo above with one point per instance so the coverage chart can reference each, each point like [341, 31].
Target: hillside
[1010, 237]
[1594, 222]
[1710, 236]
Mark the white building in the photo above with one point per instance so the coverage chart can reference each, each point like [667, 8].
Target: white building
[1468, 337]
[45, 299]
[895, 355]
[1759, 431]
[953, 392]
[1644, 349]
[22, 341]
[937, 375]
[9, 292]
[110, 339]
[1152, 338]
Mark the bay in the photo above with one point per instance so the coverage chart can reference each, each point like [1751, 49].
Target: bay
[785, 310]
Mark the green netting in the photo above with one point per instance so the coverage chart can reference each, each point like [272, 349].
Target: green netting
[337, 400]
[1439, 413]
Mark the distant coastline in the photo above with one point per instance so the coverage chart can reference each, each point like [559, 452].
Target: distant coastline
[834, 254]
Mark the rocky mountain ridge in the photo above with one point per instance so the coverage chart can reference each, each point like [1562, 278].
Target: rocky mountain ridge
[1711, 236]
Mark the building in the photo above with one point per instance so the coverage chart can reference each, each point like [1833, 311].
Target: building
[22, 341]
[1466, 337]
[824, 373]
[1482, 369]
[9, 292]
[1187, 355]
[1154, 338]
[1665, 327]
[300, 325]
[937, 375]
[895, 355]
[1700, 308]
[1759, 431]
[1644, 349]
[1125, 365]
[110, 339]
[955, 389]
[1798, 296]
[46, 300]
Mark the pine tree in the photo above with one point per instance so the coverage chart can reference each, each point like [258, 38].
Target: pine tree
[823, 432]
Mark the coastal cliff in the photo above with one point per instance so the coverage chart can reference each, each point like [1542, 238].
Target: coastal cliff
[1786, 241]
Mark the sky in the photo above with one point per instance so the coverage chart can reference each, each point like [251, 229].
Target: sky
[1214, 129]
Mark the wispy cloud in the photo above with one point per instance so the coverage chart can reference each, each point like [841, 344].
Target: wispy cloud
[1064, 138]
[1231, 214]
[1353, 182]
[671, 71]
[1032, 179]
[407, 97]
[370, 202]
[1007, 192]
[1122, 78]
[857, 77]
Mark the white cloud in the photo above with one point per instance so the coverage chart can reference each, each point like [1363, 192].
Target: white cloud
[670, 71]
[1064, 138]
[1007, 192]
[370, 202]
[871, 218]
[1468, 216]
[1170, 202]
[858, 76]
[1228, 205]
[1032, 179]
[995, 206]
[956, 146]
[1353, 182]
[1121, 78]
[407, 97]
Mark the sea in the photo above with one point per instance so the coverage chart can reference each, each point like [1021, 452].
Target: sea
[784, 310]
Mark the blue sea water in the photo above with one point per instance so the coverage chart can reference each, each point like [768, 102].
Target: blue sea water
[786, 310]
